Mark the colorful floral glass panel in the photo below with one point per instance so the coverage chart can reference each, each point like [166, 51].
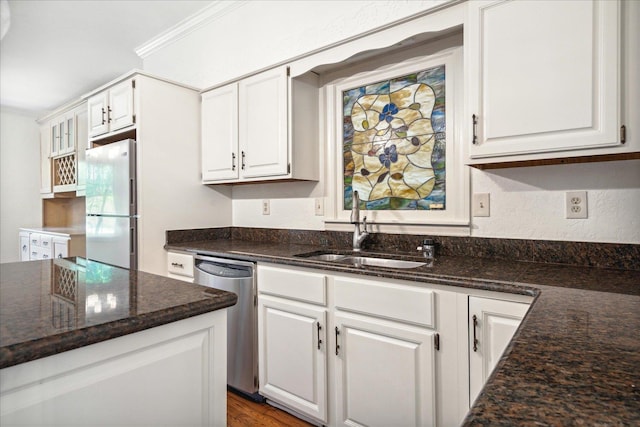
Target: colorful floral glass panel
[394, 142]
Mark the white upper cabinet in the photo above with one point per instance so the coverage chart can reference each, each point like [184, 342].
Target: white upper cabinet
[249, 133]
[58, 125]
[120, 109]
[63, 139]
[263, 121]
[97, 106]
[220, 134]
[45, 160]
[112, 109]
[543, 77]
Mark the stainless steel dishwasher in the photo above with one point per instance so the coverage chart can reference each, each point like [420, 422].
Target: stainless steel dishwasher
[242, 322]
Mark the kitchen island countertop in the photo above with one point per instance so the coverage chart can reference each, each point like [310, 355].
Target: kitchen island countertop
[51, 306]
[575, 360]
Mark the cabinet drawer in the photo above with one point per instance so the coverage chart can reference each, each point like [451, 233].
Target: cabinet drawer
[292, 283]
[45, 253]
[45, 242]
[37, 252]
[410, 304]
[181, 264]
[35, 239]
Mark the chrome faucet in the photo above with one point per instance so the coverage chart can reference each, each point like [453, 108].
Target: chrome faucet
[358, 236]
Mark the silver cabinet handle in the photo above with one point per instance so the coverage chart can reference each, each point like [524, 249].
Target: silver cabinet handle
[243, 158]
[103, 113]
[475, 339]
[177, 264]
[319, 328]
[233, 161]
[337, 346]
[475, 129]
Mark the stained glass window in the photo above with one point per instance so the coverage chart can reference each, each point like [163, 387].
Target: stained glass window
[394, 142]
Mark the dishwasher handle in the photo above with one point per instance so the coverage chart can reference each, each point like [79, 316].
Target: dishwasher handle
[231, 261]
[222, 267]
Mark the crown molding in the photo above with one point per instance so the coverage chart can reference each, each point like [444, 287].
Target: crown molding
[215, 10]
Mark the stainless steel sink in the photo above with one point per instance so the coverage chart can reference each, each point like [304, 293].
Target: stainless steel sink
[381, 262]
[361, 260]
[328, 257]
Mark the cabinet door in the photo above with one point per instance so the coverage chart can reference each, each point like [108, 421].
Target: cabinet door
[45, 159]
[120, 110]
[292, 354]
[68, 144]
[56, 128]
[385, 373]
[24, 247]
[492, 323]
[263, 124]
[220, 159]
[60, 248]
[82, 143]
[97, 110]
[537, 84]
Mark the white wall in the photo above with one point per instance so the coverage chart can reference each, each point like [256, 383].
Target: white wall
[259, 34]
[529, 203]
[525, 202]
[20, 203]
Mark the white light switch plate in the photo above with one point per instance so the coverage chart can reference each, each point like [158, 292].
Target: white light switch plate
[480, 204]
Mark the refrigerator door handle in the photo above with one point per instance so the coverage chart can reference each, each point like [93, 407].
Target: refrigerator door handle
[133, 244]
[132, 195]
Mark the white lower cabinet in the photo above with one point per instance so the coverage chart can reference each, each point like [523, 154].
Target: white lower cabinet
[385, 373]
[180, 266]
[492, 324]
[346, 350]
[60, 246]
[24, 246]
[293, 358]
[353, 350]
[172, 375]
[45, 244]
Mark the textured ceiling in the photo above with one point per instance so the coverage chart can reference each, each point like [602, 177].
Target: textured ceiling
[55, 51]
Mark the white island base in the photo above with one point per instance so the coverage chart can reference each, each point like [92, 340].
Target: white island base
[170, 375]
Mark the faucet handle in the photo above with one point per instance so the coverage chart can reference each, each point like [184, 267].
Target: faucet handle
[427, 248]
[364, 223]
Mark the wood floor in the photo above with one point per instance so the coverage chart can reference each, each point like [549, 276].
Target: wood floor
[245, 413]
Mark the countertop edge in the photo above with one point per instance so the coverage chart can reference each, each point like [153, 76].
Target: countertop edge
[18, 353]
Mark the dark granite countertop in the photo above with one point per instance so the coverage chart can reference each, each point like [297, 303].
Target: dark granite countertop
[51, 306]
[575, 360]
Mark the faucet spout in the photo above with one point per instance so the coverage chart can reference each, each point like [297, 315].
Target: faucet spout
[355, 208]
[358, 236]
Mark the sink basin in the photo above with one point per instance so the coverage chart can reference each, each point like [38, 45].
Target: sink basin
[361, 260]
[328, 257]
[381, 262]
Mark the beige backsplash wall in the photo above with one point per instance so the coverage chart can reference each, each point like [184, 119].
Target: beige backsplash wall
[64, 212]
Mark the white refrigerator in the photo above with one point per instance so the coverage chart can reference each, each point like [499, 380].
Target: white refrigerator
[111, 204]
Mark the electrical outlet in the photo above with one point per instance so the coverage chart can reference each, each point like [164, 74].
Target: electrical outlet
[319, 207]
[576, 204]
[480, 204]
[265, 207]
